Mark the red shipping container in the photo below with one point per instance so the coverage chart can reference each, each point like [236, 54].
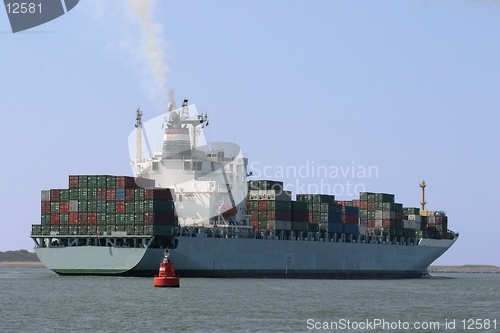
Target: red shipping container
[300, 216]
[129, 194]
[399, 215]
[388, 223]
[371, 223]
[356, 203]
[441, 219]
[370, 206]
[73, 218]
[73, 181]
[262, 205]
[350, 219]
[101, 193]
[120, 207]
[64, 207]
[441, 235]
[310, 218]
[363, 204]
[157, 194]
[279, 215]
[255, 224]
[159, 218]
[82, 218]
[92, 218]
[46, 207]
[55, 195]
[55, 218]
[110, 194]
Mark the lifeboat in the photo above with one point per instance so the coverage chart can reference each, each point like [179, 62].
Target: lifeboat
[166, 275]
[228, 210]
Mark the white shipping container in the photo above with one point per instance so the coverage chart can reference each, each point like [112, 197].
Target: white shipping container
[413, 217]
[279, 195]
[378, 223]
[45, 195]
[362, 230]
[378, 214]
[283, 225]
[73, 206]
[254, 194]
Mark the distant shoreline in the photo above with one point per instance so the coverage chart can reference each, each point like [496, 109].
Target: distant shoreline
[24, 264]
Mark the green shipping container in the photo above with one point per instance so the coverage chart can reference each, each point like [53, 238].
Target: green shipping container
[101, 217]
[130, 206]
[364, 196]
[384, 197]
[92, 206]
[83, 193]
[64, 195]
[276, 205]
[371, 214]
[139, 218]
[92, 193]
[120, 219]
[159, 206]
[110, 207]
[36, 229]
[421, 234]
[111, 182]
[73, 193]
[138, 206]
[45, 219]
[92, 181]
[111, 218]
[409, 232]
[83, 206]
[411, 211]
[162, 230]
[254, 205]
[101, 181]
[54, 207]
[129, 218]
[139, 194]
[300, 226]
[298, 206]
[64, 219]
[101, 206]
[270, 185]
[313, 227]
[263, 216]
[82, 181]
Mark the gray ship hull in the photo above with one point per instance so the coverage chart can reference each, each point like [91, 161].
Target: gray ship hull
[258, 258]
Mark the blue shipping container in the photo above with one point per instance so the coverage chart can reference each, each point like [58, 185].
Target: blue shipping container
[351, 229]
[120, 194]
[334, 218]
[349, 210]
[335, 227]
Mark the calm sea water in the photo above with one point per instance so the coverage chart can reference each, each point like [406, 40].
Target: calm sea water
[37, 300]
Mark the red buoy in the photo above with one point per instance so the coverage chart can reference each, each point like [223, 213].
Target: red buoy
[166, 275]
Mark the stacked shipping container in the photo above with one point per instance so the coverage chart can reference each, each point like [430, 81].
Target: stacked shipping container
[102, 204]
[374, 214]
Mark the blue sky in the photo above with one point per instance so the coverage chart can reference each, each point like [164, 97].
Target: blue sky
[411, 88]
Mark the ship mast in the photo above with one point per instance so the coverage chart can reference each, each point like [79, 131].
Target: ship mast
[138, 139]
[423, 202]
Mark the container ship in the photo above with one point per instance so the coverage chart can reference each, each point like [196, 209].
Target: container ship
[195, 200]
